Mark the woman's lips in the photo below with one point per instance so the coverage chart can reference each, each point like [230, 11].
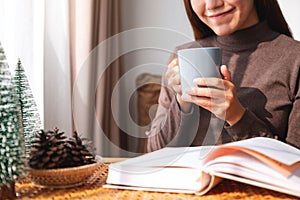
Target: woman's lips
[219, 15]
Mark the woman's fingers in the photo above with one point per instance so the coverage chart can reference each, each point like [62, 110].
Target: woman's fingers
[172, 69]
[210, 82]
[215, 82]
[174, 83]
[212, 93]
[217, 96]
[173, 80]
[216, 106]
[174, 62]
[225, 73]
[173, 77]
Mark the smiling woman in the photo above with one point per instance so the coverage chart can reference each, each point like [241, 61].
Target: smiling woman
[226, 17]
[263, 8]
[252, 34]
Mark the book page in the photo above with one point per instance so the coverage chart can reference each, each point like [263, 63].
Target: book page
[260, 161]
[275, 149]
[177, 168]
[191, 157]
[257, 183]
[278, 155]
[245, 165]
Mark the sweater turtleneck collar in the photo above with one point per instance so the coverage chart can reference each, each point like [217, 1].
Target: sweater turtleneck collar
[247, 38]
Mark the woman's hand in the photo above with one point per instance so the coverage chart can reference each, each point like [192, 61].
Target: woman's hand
[173, 80]
[218, 96]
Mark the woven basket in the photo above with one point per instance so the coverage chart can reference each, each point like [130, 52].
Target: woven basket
[64, 177]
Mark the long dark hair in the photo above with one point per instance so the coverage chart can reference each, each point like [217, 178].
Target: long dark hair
[268, 10]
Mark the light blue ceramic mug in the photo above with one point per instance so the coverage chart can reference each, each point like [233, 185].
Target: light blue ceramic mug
[198, 62]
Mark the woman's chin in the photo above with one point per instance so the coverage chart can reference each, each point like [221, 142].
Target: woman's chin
[223, 31]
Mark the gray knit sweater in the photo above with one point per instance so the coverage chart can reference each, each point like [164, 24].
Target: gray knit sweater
[265, 68]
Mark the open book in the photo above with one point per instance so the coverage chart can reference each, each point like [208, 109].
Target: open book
[262, 162]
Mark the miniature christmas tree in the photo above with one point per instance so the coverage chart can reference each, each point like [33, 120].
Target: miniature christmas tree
[30, 117]
[11, 136]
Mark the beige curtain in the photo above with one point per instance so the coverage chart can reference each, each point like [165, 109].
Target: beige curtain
[92, 23]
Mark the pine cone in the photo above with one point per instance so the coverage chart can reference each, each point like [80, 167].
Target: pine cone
[52, 150]
[79, 151]
[47, 150]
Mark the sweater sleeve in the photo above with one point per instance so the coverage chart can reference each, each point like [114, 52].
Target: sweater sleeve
[170, 123]
[293, 132]
[293, 136]
[248, 126]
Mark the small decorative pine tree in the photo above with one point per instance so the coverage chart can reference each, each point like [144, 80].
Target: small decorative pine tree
[30, 117]
[11, 136]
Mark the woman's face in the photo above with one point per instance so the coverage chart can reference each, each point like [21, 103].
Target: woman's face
[226, 16]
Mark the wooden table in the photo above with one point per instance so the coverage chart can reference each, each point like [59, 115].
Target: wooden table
[92, 189]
